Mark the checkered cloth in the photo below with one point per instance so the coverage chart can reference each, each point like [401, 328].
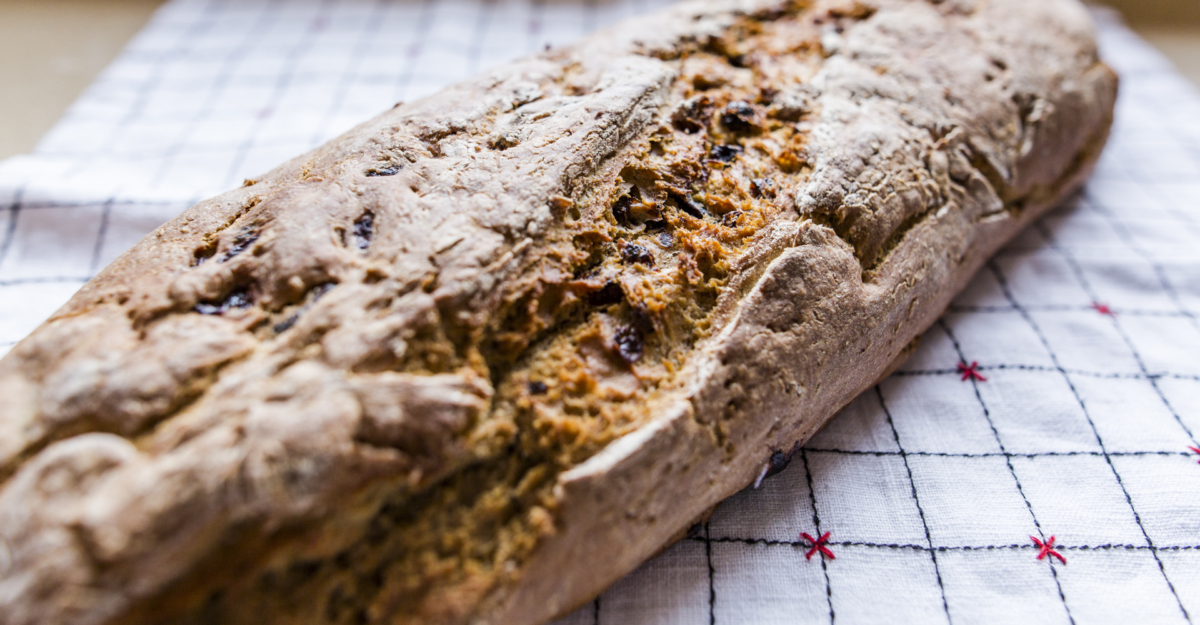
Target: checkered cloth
[1029, 464]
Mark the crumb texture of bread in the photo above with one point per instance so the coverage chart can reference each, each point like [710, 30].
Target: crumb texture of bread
[427, 372]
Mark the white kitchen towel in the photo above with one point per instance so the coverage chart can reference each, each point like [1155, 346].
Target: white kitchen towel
[1055, 403]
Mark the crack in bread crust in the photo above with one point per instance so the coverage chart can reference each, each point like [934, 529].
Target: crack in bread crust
[410, 376]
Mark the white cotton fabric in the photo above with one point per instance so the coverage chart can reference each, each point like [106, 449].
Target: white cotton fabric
[929, 486]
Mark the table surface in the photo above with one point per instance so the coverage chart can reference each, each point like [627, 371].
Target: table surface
[52, 50]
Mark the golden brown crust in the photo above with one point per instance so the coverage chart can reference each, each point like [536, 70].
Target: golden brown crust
[420, 373]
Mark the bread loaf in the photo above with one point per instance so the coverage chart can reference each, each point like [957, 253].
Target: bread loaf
[484, 354]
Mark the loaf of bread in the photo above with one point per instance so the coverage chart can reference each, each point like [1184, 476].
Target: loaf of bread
[479, 357]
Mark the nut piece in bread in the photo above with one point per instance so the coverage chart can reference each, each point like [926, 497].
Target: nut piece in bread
[482, 355]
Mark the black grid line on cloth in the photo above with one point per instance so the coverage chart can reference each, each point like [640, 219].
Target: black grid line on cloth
[1090, 374]
[937, 571]
[1007, 454]
[34, 206]
[10, 232]
[1003, 282]
[987, 415]
[946, 548]
[816, 518]
[1077, 272]
[712, 575]
[282, 83]
[44, 280]
[101, 233]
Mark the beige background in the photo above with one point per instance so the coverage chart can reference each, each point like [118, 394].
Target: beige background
[52, 49]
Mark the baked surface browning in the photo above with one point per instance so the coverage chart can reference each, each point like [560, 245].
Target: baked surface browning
[422, 373]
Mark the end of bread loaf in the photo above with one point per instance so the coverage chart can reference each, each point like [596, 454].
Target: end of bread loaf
[484, 354]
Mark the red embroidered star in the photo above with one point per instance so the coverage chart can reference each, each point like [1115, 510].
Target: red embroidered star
[1103, 309]
[1047, 549]
[818, 544]
[970, 371]
[1197, 451]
